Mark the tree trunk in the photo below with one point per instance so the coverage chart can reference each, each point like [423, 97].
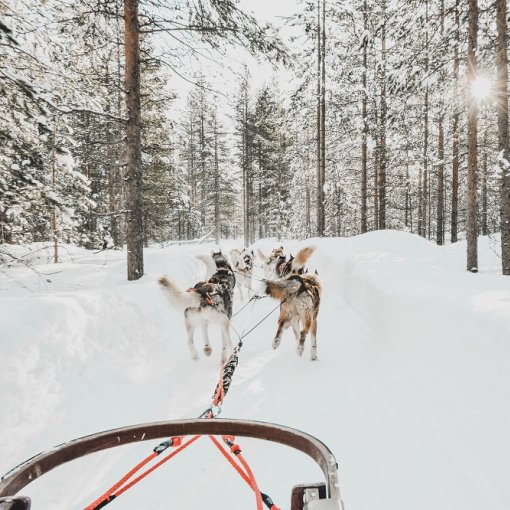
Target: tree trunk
[53, 183]
[192, 179]
[502, 106]
[471, 215]
[485, 228]
[120, 133]
[440, 185]
[408, 215]
[323, 119]
[203, 173]
[440, 154]
[216, 185]
[364, 137]
[133, 150]
[376, 187]
[308, 222]
[320, 184]
[424, 200]
[246, 207]
[111, 171]
[455, 133]
[382, 143]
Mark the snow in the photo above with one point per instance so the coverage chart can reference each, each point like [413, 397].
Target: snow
[410, 392]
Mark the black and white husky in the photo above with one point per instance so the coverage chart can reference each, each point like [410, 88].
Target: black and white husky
[242, 262]
[206, 303]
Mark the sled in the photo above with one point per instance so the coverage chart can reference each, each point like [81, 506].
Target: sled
[313, 496]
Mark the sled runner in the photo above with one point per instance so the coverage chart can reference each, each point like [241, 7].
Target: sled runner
[316, 496]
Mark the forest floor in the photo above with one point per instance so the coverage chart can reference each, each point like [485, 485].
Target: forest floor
[410, 392]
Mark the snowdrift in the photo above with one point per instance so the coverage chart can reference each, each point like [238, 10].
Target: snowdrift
[410, 390]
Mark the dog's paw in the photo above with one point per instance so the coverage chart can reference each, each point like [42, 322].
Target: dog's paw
[207, 350]
[300, 350]
[313, 357]
[195, 357]
[276, 343]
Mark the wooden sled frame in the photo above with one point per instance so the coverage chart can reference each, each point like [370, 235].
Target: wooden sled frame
[304, 497]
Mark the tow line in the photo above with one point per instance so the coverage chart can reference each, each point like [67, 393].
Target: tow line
[231, 451]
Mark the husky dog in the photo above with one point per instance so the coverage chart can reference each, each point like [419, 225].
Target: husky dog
[300, 299]
[270, 263]
[243, 266]
[277, 265]
[207, 302]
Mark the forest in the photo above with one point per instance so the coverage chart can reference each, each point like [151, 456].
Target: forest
[395, 117]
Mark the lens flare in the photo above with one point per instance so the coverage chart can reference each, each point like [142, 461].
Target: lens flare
[481, 88]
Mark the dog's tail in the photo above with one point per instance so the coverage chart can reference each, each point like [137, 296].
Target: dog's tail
[180, 299]
[299, 261]
[262, 256]
[283, 289]
[210, 266]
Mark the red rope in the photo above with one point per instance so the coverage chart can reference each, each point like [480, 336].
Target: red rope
[255, 487]
[113, 490]
[121, 482]
[247, 475]
[244, 476]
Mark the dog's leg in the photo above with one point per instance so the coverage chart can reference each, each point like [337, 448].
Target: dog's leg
[295, 328]
[306, 327]
[240, 287]
[278, 337]
[190, 328]
[282, 325]
[207, 345]
[227, 347]
[313, 351]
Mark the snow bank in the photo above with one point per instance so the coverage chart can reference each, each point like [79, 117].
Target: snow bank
[444, 335]
[410, 390]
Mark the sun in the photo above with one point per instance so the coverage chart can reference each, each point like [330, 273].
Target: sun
[481, 87]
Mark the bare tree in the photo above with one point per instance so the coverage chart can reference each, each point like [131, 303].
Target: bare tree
[381, 184]
[502, 106]
[320, 184]
[472, 140]
[440, 154]
[134, 231]
[455, 132]
[323, 119]
[364, 136]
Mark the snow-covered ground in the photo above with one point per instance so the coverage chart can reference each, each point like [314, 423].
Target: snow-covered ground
[410, 392]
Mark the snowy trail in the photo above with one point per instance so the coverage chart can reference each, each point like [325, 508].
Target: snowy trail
[414, 420]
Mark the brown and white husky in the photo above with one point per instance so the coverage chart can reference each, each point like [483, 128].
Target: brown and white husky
[277, 265]
[269, 263]
[300, 296]
[206, 303]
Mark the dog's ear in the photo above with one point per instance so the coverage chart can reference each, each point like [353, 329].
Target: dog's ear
[317, 272]
[252, 253]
